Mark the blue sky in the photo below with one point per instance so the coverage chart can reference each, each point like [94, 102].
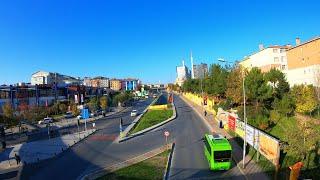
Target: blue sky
[143, 39]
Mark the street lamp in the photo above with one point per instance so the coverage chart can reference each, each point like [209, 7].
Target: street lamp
[244, 115]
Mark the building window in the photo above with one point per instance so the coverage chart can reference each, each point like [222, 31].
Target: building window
[282, 50]
[276, 59]
[282, 58]
[283, 67]
[275, 50]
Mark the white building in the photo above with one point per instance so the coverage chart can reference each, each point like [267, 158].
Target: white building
[43, 77]
[267, 58]
[182, 74]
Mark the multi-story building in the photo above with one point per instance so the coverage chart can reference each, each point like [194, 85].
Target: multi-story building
[43, 77]
[87, 81]
[182, 74]
[267, 58]
[45, 95]
[115, 84]
[304, 63]
[199, 70]
[99, 81]
[131, 84]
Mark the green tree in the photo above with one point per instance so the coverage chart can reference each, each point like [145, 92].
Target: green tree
[284, 106]
[257, 89]
[63, 108]
[8, 114]
[104, 102]
[279, 83]
[234, 85]
[305, 98]
[74, 109]
[216, 84]
[93, 104]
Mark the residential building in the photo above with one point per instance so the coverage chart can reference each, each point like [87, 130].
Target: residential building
[182, 74]
[304, 63]
[115, 84]
[87, 81]
[267, 58]
[99, 81]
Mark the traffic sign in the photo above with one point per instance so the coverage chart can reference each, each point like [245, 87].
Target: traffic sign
[166, 133]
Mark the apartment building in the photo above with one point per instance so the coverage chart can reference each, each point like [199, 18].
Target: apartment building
[267, 58]
[115, 84]
[304, 63]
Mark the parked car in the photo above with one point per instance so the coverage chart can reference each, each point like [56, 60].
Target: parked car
[99, 112]
[46, 120]
[134, 113]
[68, 115]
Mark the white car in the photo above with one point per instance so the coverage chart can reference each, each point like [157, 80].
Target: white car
[46, 120]
[134, 113]
[68, 115]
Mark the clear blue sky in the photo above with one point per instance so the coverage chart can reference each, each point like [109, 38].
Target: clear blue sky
[143, 39]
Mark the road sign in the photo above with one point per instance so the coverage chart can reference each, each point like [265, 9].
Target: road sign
[166, 133]
[85, 113]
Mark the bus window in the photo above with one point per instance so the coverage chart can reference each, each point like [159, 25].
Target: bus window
[222, 156]
[207, 145]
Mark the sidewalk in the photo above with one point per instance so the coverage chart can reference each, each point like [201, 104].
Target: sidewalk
[252, 170]
[39, 150]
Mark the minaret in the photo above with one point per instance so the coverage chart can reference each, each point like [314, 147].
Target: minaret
[192, 72]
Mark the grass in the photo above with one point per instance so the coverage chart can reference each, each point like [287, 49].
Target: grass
[152, 117]
[58, 116]
[152, 168]
[283, 125]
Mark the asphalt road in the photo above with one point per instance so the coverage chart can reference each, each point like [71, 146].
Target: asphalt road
[99, 150]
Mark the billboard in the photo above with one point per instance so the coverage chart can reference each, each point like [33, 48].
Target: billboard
[232, 122]
[240, 128]
[269, 147]
[252, 135]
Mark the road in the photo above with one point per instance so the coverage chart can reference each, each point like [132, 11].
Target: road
[100, 151]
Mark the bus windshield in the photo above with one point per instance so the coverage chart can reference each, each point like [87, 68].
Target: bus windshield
[222, 156]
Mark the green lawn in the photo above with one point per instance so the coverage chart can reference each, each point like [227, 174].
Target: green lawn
[283, 125]
[152, 117]
[152, 168]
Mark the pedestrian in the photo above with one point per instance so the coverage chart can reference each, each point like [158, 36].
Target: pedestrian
[121, 123]
[220, 124]
[205, 113]
[16, 158]
[19, 159]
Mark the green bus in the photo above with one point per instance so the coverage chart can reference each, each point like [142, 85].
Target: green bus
[217, 150]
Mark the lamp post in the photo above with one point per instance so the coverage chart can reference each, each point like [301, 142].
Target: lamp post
[244, 115]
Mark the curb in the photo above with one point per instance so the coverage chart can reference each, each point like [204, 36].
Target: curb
[102, 171]
[174, 115]
[134, 122]
[168, 165]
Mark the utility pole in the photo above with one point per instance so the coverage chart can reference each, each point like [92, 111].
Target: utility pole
[245, 122]
[244, 114]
